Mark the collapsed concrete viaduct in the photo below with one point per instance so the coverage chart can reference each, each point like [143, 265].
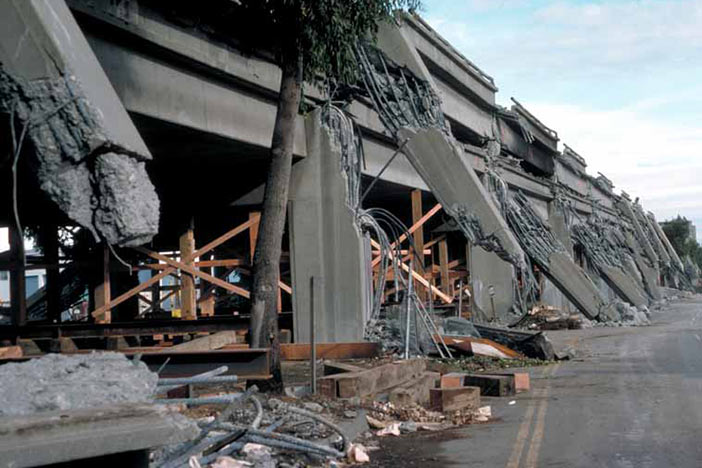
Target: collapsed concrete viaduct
[206, 113]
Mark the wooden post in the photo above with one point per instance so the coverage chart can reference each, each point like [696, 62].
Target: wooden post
[102, 291]
[187, 291]
[207, 304]
[418, 237]
[443, 266]
[18, 290]
[50, 245]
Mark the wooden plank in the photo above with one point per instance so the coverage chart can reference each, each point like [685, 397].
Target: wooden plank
[102, 290]
[454, 399]
[443, 267]
[220, 263]
[301, 351]
[378, 379]
[432, 242]
[225, 237]
[189, 269]
[207, 343]
[187, 281]
[207, 304]
[418, 235]
[7, 352]
[132, 292]
[419, 278]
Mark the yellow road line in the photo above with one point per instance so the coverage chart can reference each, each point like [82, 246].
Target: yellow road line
[523, 432]
[537, 435]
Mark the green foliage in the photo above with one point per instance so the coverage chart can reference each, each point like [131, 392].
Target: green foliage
[320, 34]
[678, 231]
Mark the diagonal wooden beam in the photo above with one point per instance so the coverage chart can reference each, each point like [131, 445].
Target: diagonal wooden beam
[195, 272]
[136, 290]
[420, 279]
[420, 222]
[225, 237]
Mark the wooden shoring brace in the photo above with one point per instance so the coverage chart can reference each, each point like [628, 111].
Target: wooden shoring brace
[418, 238]
[187, 280]
[161, 300]
[444, 267]
[173, 266]
[413, 228]
[207, 305]
[419, 278]
[102, 290]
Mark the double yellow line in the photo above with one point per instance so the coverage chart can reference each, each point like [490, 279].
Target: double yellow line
[534, 442]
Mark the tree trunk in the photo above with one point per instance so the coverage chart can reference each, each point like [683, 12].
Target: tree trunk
[266, 269]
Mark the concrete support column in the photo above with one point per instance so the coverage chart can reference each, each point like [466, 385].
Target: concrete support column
[325, 243]
[486, 270]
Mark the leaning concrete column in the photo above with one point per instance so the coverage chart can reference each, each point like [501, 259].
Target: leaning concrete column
[326, 243]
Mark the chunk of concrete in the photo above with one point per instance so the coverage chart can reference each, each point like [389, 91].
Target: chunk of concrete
[454, 399]
[78, 128]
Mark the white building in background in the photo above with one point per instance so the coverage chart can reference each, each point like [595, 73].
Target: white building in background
[35, 279]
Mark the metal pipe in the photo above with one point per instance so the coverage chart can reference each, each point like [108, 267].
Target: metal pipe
[217, 400]
[198, 380]
[214, 372]
[313, 347]
[408, 308]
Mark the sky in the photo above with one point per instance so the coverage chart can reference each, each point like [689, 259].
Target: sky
[619, 80]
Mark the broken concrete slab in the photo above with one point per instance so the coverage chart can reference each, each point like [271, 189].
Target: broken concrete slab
[574, 283]
[454, 399]
[625, 207]
[531, 344]
[442, 165]
[90, 157]
[67, 436]
[415, 391]
[370, 381]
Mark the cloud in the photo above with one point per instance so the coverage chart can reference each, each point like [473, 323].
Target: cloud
[633, 42]
[645, 156]
[620, 81]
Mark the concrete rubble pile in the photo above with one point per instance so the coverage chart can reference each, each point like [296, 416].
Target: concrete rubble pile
[64, 382]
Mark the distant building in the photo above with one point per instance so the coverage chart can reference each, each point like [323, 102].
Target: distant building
[35, 280]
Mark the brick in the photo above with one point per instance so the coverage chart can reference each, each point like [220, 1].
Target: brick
[453, 399]
[452, 380]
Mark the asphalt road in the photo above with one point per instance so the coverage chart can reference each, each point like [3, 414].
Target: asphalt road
[632, 397]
